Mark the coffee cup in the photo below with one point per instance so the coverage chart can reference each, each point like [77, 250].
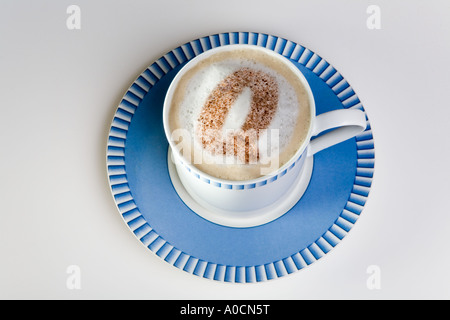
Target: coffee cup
[246, 187]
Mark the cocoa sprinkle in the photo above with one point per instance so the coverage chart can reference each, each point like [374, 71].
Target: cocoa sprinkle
[243, 143]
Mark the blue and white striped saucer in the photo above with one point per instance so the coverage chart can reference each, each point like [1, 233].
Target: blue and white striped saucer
[138, 174]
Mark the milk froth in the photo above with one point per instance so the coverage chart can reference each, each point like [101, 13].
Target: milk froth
[243, 96]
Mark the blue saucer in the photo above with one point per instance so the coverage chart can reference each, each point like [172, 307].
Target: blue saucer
[146, 199]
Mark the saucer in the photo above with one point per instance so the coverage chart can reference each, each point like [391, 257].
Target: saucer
[174, 228]
[243, 219]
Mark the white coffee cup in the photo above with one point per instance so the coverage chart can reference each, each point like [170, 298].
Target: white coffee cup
[249, 196]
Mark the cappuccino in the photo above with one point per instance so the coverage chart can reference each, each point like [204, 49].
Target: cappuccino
[239, 114]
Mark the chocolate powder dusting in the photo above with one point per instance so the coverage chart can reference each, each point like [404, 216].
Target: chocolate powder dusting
[243, 143]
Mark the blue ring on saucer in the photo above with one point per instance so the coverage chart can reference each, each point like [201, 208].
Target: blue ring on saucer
[143, 193]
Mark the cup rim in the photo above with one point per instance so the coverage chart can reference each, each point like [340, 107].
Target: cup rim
[194, 61]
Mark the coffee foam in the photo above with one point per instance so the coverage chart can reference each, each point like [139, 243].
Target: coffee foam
[290, 119]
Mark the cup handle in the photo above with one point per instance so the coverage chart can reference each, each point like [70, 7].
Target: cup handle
[348, 123]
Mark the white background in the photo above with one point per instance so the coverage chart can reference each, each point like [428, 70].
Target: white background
[60, 89]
